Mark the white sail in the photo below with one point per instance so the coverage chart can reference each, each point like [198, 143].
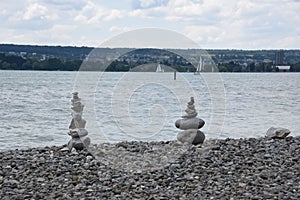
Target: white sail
[199, 66]
[159, 68]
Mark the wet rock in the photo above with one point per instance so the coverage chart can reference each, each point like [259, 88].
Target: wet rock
[191, 136]
[277, 132]
[79, 143]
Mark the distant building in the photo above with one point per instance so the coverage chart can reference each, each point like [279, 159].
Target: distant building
[279, 55]
[43, 57]
[23, 54]
[283, 68]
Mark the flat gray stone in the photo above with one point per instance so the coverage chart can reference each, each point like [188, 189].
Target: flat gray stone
[277, 132]
[191, 136]
[79, 143]
[192, 123]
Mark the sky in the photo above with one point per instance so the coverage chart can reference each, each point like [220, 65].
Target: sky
[212, 24]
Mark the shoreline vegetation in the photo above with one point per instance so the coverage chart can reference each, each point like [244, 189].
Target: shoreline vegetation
[248, 168]
[58, 58]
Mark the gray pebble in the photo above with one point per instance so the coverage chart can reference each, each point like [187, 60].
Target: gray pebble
[250, 168]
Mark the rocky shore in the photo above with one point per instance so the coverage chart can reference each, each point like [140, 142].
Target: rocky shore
[250, 168]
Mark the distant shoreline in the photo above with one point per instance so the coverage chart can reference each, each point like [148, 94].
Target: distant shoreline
[66, 58]
[148, 71]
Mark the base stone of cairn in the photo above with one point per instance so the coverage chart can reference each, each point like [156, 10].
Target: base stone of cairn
[77, 130]
[190, 124]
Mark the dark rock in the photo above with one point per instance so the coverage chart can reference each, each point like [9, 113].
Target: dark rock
[277, 132]
[191, 136]
[191, 123]
[79, 143]
[199, 138]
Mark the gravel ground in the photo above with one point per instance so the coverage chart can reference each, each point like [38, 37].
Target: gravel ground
[250, 168]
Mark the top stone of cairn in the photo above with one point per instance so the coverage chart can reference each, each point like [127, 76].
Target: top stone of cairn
[75, 97]
[77, 106]
[190, 111]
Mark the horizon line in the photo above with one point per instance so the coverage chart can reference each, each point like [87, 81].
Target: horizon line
[78, 46]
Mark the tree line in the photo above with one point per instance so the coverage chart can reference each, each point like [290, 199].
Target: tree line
[14, 62]
[230, 62]
[254, 67]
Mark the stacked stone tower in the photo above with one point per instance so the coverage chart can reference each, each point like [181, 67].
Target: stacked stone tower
[77, 130]
[190, 124]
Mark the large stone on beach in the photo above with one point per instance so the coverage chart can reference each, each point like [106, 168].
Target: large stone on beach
[191, 136]
[192, 123]
[277, 132]
[79, 143]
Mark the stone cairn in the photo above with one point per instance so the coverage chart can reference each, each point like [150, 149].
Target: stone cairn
[77, 130]
[190, 124]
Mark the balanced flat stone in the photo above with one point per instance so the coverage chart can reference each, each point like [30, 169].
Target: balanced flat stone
[189, 123]
[277, 132]
[190, 115]
[77, 122]
[191, 136]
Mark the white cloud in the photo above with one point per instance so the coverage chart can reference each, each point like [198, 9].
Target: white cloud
[64, 4]
[95, 14]
[214, 24]
[113, 14]
[147, 3]
[152, 3]
[139, 13]
[292, 42]
[3, 12]
[239, 24]
[57, 33]
[144, 4]
[118, 29]
[35, 11]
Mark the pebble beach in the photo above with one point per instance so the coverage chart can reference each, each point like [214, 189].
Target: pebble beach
[249, 168]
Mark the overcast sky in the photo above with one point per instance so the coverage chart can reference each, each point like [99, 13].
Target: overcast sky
[230, 24]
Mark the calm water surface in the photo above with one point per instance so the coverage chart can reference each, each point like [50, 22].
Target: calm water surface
[35, 106]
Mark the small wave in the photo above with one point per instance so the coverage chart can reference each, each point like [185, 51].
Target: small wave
[5, 127]
[57, 110]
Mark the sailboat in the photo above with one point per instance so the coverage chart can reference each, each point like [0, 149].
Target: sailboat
[159, 68]
[199, 66]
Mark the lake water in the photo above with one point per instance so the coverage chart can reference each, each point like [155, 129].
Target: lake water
[35, 105]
